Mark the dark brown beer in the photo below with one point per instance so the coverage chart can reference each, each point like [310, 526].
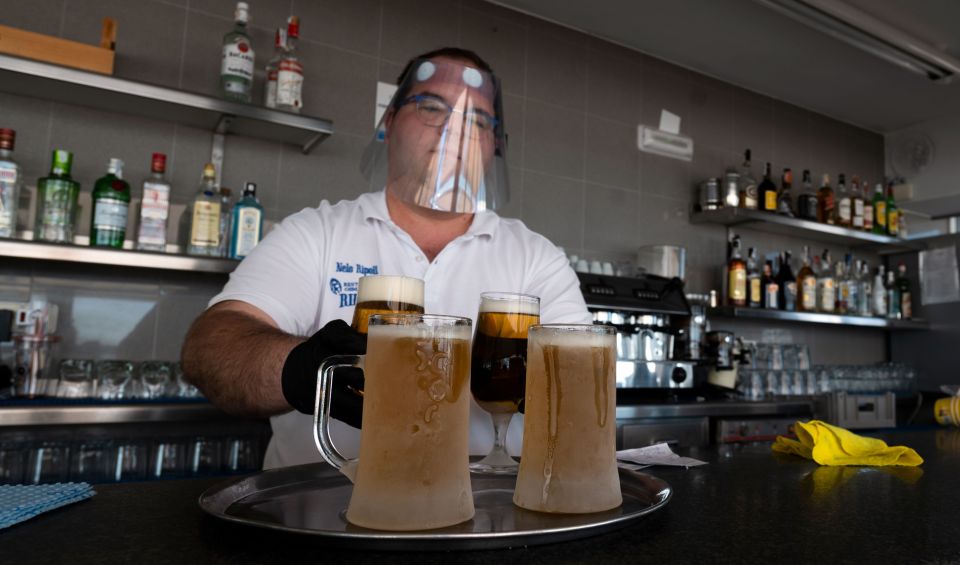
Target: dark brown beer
[386, 294]
[499, 361]
[363, 311]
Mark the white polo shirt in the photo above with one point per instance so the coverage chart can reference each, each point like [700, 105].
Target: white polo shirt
[305, 272]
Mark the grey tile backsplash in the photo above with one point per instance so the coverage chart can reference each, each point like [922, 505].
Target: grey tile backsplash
[572, 106]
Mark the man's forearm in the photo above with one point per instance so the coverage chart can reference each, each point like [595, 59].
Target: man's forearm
[236, 360]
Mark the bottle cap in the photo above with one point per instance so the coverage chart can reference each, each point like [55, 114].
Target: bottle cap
[158, 163]
[115, 166]
[7, 139]
[209, 171]
[242, 13]
[250, 188]
[293, 27]
[62, 162]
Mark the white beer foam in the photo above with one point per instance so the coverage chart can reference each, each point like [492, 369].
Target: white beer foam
[388, 288]
[420, 332]
[510, 306]
[562, 337]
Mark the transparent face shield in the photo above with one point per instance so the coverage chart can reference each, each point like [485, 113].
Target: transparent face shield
[440, 144]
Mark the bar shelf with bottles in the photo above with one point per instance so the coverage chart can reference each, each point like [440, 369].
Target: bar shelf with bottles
[849, 217]
[817, 318]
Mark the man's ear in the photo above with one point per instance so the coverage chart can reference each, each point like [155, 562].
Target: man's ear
[388, 122]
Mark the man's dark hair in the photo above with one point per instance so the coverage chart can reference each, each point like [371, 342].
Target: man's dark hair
[449, 52]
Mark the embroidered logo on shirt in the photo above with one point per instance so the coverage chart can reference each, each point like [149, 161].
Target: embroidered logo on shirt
[360, 269]
[346, 290]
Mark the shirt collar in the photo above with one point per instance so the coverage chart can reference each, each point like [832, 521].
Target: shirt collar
[374, 207]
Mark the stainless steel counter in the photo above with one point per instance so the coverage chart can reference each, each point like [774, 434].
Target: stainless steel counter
[716, 409]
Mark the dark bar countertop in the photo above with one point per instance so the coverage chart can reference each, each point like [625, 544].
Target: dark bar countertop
[748, 505]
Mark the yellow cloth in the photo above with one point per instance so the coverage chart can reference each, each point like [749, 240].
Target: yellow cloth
[830, 445]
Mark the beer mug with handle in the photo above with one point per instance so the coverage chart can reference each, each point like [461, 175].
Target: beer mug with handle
[412, 472]
[568, 462]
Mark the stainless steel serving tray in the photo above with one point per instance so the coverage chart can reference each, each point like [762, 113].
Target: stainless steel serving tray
[312, 499]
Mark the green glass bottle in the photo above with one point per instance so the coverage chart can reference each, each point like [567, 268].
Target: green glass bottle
[111, 204]
[57, 201]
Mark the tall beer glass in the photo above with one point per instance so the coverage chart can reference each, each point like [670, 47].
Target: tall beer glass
[386, 294]
[499, 367]
[569, 460]
[412, 472]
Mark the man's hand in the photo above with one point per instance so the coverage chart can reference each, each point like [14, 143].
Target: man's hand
[299, 377]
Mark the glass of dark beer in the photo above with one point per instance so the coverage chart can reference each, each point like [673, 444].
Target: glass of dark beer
[386, 294]
[499, 367]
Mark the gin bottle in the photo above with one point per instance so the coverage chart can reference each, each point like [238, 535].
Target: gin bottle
[290, 71]
[111, 204]
[224, 246]
[154, 207]
[237, 62]
[201, 232]
[247, 223]
[270, 91]
[9, 184]
[57, 201]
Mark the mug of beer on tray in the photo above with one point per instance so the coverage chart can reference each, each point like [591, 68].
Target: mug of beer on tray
[412, 472]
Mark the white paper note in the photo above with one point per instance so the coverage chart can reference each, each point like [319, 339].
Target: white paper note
[669, 122]
[658, 454]
[939, 277]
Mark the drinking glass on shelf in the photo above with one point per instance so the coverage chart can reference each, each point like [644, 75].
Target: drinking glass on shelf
[90, 461]
[154, 378]
[129, 461]
[13, 464]
[499, 368]
[113, 378]
[76, 379]
[182, 388]
[47, 463]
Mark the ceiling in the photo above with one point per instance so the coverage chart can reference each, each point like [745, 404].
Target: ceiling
[753, 46]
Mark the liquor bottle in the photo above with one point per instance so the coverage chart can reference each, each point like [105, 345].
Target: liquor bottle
[807, 201]
[843, 289]
[787, 282]
[906, 297]
[748, 185]
[825, 202]
[806, 285]
[270, 90]
[785, 200]
[247, 223]
[9, 184]
[755, 292]
[856, 196]
[867, 207]
[237, 62]
[893, 297]
[893, 214]
[866, 291]
[111, 206]
[879, 294]
[844, 203]
[224, 247]
[290, 71]
[201, 233]
[767, 191]
[826, 286]
[771, 289]
[154, 207]
[57, 201]
[853, 286]
[736, 276]
[879, 211]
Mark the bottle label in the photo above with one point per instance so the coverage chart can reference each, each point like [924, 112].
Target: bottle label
[893, 221]
[858, 213]
[290, 84]
[808, 294]
[843, 211]
[271, 97]
[248, 230]
[906, 305]
[237, 60]
[880, 214]
[755, 291]
[770, 201]
[156, 201]
[9, 175]
[205, 226]
[867, 216]
[790, 295]
[109, 214]
[738, 284]
[770, 295]
[828, 295]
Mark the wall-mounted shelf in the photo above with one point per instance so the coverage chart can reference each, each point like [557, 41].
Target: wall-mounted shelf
[118, 257]
[72, 86]
[816, 318]
[41, 414]
[784, 225]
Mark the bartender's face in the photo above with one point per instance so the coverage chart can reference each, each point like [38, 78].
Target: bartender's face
[425, 149]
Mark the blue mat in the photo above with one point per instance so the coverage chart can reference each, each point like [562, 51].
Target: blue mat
[22, 502]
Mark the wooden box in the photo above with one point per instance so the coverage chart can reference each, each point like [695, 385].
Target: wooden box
[29, 45]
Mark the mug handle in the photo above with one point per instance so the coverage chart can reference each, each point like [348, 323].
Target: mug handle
[321, 413]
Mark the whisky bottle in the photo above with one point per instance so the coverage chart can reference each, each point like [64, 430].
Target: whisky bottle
[736, 276]
[856, 197]
[748, 185]
[826, 286]
[787, 284]
[893, 214]
[844, 203]
[767, 191]
[825, 202]
[755, 298]
[879, 211]
[807, 201]
[867, 207]
[906, 298]
[771, 290]
[806, 285]
[785, 200]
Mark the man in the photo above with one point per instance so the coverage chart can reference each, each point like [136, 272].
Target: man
[439, 155]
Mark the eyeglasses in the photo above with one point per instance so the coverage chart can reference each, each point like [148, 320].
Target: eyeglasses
[434, 112]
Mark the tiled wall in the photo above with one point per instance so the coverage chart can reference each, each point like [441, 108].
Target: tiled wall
[572, 104]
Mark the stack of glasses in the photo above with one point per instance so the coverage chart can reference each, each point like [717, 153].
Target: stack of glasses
[21, 502]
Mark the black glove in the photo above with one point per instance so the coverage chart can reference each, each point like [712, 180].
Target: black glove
[299, 377]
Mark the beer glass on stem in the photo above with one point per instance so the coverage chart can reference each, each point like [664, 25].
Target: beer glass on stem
[499, 367]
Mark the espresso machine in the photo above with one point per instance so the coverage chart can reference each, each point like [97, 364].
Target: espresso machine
[653, 321]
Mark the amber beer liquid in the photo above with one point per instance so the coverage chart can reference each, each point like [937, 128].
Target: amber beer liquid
[386, 294]
[568, 462]
[498, 375]
[412, 472]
